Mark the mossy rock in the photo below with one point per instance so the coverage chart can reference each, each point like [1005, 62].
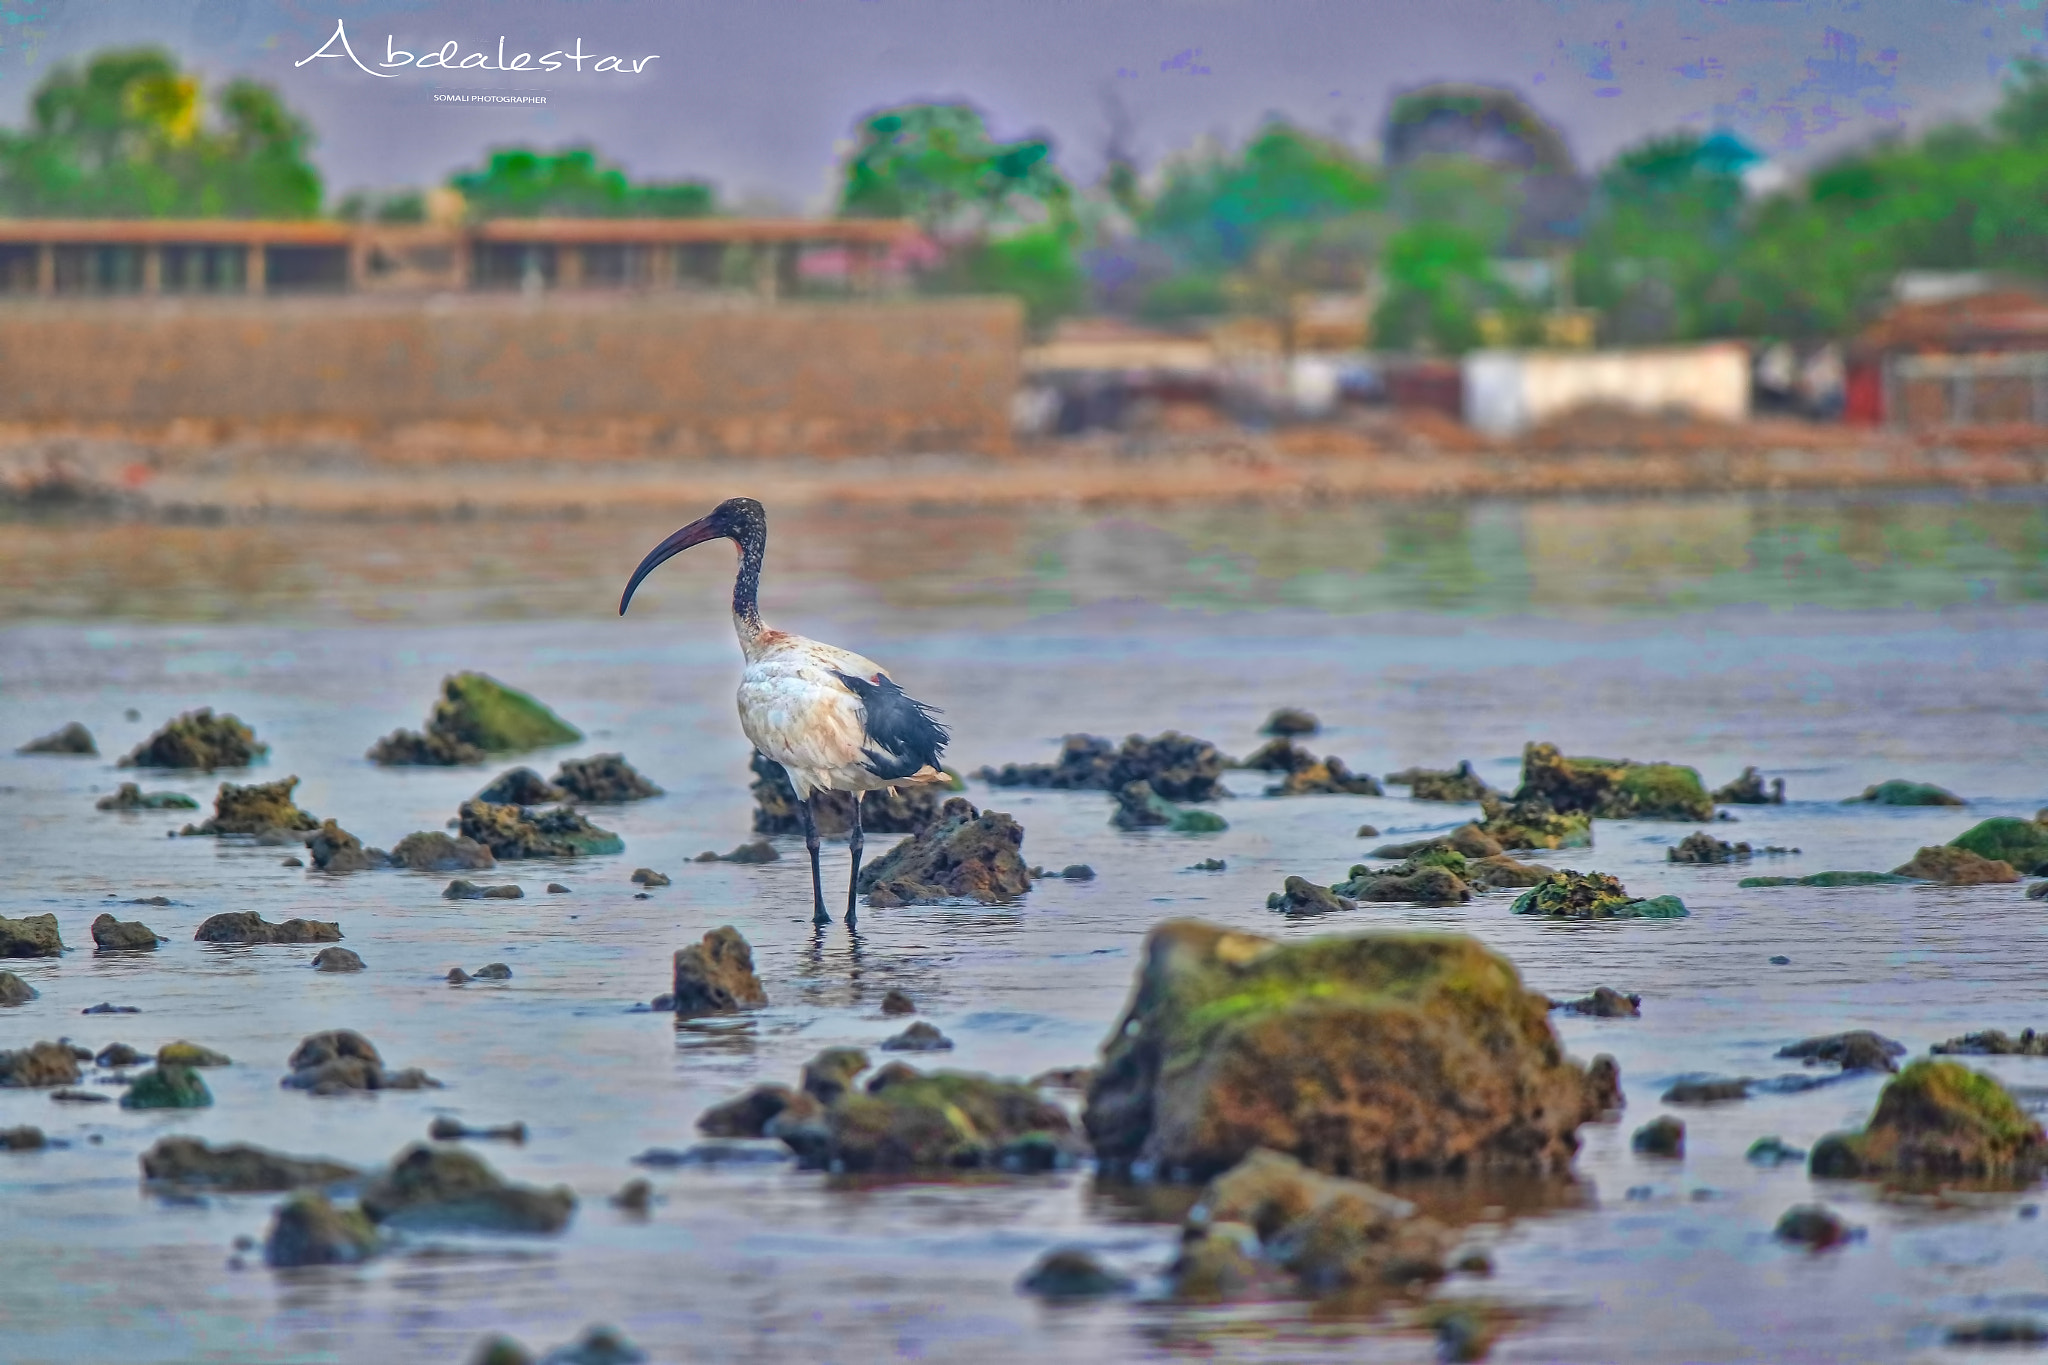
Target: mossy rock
[198, 739]
[1833, 879]
[1898, 792]
[1612, 788]
[2022, 843]
[1139, 807]
[1593, 895]
[514, 832]
[73, 739]
[1939, 1120]
[255, 808]
[168, 1087]
[30, 936]
[131, 796]
[1534, 824]
[1435, 876]
[1376, 1054]
[309, 1229]
[477, 709]
[946, 1120]
[448, 1189]
[1952, 866]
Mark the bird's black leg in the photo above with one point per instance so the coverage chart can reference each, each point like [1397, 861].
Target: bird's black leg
[853, 846]
[811, 845]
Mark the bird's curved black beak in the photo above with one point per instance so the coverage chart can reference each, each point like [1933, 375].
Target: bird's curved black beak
[696, 533]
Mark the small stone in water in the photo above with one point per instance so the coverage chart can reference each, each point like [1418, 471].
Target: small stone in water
[557, 889]
[635, 1196]
[457, 976]
[896, 1002]
[1781, 961]
[293, 862]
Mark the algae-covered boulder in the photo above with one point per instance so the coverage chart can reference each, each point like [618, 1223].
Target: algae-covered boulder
[1139, 807]
[513, 832]
[1702, 847]
[1855, 1050]
[38, 1067]
[1898, 792]
[448, 1189]
[30, 936]
[1289, 721]
[1938, 1120]
[2022, 843]
[1748, 790]
[1833, 879]
[747, 1115]
[198, 739]
[1502, 873]
[1954, 866]
[1328, 776]
[521, 787]
[1330, 1233]
[434, 851]
[1380, 1053]
[1435, 877]
[72, 739]
[944, 1120]
[1069, 1273]
[1605, 1003]
[606, 779]
[968, 853]
[475, 716]
[1179, 767]
[1468, 840]
[717, 975]
[1533, 823]
[1281, 755]
[339, 1061]
[1592, 895]
[254, 809]
[182, 1053]
[334, 849]
[903, 810]
[1298, 897]
[248, 927]
[1432, 784]
[167, 1087]
[15, 991]
[132, 797]
[308, 1229]
[1612, 788]
[110, 935]
[1994, 1043]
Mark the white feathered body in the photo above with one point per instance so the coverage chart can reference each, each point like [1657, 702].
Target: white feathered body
[802, 717]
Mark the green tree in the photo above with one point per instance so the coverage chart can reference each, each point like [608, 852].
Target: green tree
[937, 165]
[1215, 211]
[126, 136]
[1657, 259]
[518, 182]
[1436, 284]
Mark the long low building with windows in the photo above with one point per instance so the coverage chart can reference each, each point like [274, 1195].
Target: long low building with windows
[769, 257]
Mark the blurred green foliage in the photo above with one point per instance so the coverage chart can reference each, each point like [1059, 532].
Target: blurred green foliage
[127, 135]
[518, 182]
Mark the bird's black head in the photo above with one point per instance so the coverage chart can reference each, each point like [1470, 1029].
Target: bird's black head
[741, 520]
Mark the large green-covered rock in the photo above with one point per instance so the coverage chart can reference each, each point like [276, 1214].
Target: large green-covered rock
[310, 1230]
[30, 936]
[1612, 788]
[1898, 792]
[514, 832]
[1372, 1055]
[2022, 843]
[255, 808]
[1939, 1120]
[1954, 866]
[1833, 879]
[198, 739]
[168, 1087]
[1533, 823]
[1593, 895]
[446, 1188]
[237, 1168]
[944, 1120]
[475, 715]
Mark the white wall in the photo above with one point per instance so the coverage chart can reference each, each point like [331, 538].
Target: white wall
[1508, 392]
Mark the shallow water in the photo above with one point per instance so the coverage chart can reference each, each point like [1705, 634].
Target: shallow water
[1835, 645]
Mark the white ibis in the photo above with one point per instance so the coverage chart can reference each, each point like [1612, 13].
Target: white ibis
[834, 720]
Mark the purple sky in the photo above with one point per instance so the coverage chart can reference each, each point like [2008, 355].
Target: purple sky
[757, 95]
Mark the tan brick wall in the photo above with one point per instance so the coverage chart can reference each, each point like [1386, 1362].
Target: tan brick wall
[522, 378]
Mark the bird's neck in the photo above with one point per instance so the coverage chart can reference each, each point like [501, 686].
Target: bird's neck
[746, 589]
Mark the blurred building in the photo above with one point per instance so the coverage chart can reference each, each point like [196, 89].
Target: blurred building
[1509, 392]
[1958, 356]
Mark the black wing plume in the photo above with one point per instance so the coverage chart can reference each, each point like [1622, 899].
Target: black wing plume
[903, 734]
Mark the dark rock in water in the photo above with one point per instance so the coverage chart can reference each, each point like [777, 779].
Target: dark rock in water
[1468, 841]
[334, 849]
[1993, 1043]
[1368, 832]
[1290, 720]
[1898, 792]
[1328, 776]
[597, 1346]
[434, 851]
[1812, 1225]
[896, 1002]
[647, 876]
[1592, 895]
[494, 971]
[110, 935]
[516, 832]
[168, 1087]
[1078, 872]
[237, 1169]
[38, 1067]
[152, 900]
[30, 936]
[1611, 789]
[463, 890]
[760, 851]
[1712, 1090]
[336, 960]
[1832, 879]
[942, 1121]
[906, 810]
[1178, 767]
[1603, 1086]
[1956, 867]
[1456, 784]
[308, 1229]
[118, 1055]
[828, 1077]
[1606, 1003]
[1661, 1136]
[2022, 843]
[190, 1054]
[255, 809]
[1705, 848]
[1277, 756]
[1072, 1273]
[15, 991]
[1998, 1332]
[341, 1060]
[1338, 1049]
[602, 780]
[717, 975]
[26, 1138]
[1065, 1078]
[557, 889]
[635, 1196]
[1533, 823]
[1300, 897]
[457, 977]
[105, 1008]
[1139, 807]
[246, 926]
[72, 739]
[1781, 961]
[521, 787]
[1856, 1050]
[747, 1116]
[1208, 865]
[1433, 878]
[80, 1097]
[201, 740]
[919, 1037]
[1219, 1263]
[475, 716]
[133, 797]
[968, 853]
[1748, 790]
[1939, 1120]
[445, 1129]
[1772, 1151]
[1503, 873]
[448, 1189]
[292, 862]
